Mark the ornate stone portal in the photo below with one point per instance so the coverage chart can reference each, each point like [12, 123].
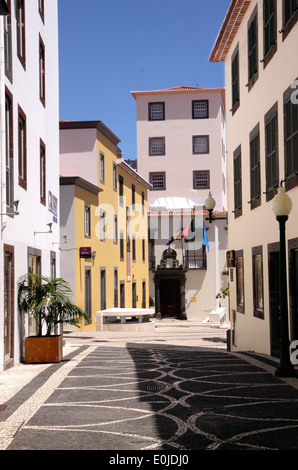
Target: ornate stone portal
[169, 279]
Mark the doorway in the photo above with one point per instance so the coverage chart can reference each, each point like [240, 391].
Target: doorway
[8, 303]
[170, 302]
[273, 268]
[293, 281]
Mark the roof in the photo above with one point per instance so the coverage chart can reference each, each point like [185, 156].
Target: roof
[80, 182]
[229, 29]
[99, 125]
[133, 173]
[177, 90]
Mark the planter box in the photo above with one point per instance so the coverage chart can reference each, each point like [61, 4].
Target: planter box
[43, 349]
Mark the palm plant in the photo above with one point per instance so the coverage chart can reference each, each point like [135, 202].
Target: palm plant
[47, 299]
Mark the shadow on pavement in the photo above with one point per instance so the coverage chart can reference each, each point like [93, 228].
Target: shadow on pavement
[214, 400]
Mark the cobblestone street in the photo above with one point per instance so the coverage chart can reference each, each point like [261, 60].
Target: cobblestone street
[110, 394]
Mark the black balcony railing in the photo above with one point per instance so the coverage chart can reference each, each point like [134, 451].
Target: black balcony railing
[191, 260]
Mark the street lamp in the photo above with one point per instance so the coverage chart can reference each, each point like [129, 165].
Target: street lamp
[210, 204]
[282, 206]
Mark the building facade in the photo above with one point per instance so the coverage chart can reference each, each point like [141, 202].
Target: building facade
[258, 42]
[181, 151]
[104, 219]
[29, 160]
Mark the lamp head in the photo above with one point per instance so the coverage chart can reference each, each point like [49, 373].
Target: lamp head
[282, 203]
[210, 202]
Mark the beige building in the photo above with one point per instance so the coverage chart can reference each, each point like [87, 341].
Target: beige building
[258, 43]
[181, 143]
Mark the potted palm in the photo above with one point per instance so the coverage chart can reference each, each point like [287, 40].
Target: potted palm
[48, 301]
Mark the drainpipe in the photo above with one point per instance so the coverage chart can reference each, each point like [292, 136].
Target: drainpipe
[2, 128]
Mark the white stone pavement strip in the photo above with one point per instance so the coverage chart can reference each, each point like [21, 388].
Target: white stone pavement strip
[20, 417]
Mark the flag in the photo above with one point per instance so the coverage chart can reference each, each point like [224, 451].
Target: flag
[205, 238]
[185, 232]
[173, 238]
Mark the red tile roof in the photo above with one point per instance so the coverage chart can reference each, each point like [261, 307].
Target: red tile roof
[229, 29]
[177, 90]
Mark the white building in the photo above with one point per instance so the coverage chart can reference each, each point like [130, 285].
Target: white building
[258, 43]
[29, 121]
[181, 151]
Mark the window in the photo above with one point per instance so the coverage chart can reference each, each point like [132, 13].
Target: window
[41, 9]
[133, 248]
[122, 294]
[269, 29]
[42, 94]
[134, 294]
[157, 180]
[143, 294]
[7, 42]
[253, 50]
[258, 295]
[290, 16]
[200, 144]
[115, 229]
[121, 202]
[200, 109]
[102, 168]
[88, 304]
[240, 280]
[201, 179]
[237, 183]
[102, 288]
[291, 139]
[115, 287]
[87, 220]
[133, 197]
[22, 147]
[143, 203]
[114, 176]
[235, 81]
[143, 250]
[9, 151]
[121, 245]
[157, 146]
[102, 225]
[156, 111]
[255, 177]
[271, 154]
[42, 172]
[34, 267]
[20, 17]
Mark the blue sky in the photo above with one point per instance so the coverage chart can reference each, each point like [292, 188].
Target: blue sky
[105, 44]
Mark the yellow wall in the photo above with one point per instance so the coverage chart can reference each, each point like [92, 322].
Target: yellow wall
[108, 252]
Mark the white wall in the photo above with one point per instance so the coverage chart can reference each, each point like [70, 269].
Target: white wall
[42, 123]
[258, 226]
[178, 128]
[78, 153]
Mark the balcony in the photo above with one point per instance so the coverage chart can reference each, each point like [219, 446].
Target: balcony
[191, 260]
[195, 260]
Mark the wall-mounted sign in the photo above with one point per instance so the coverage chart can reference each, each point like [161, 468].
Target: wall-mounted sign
[85, 252]
[231, 259]
[193, 299]
[53, 205]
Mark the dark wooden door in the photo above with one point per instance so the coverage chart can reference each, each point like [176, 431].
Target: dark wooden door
[274, 302]
[170, 303]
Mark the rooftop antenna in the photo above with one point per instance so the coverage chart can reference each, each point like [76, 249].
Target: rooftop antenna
[142, 79]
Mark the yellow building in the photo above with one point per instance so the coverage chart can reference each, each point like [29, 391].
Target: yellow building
[103, 221]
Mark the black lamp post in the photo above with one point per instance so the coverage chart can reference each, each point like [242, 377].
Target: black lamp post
[210, 205]
[282, 206]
